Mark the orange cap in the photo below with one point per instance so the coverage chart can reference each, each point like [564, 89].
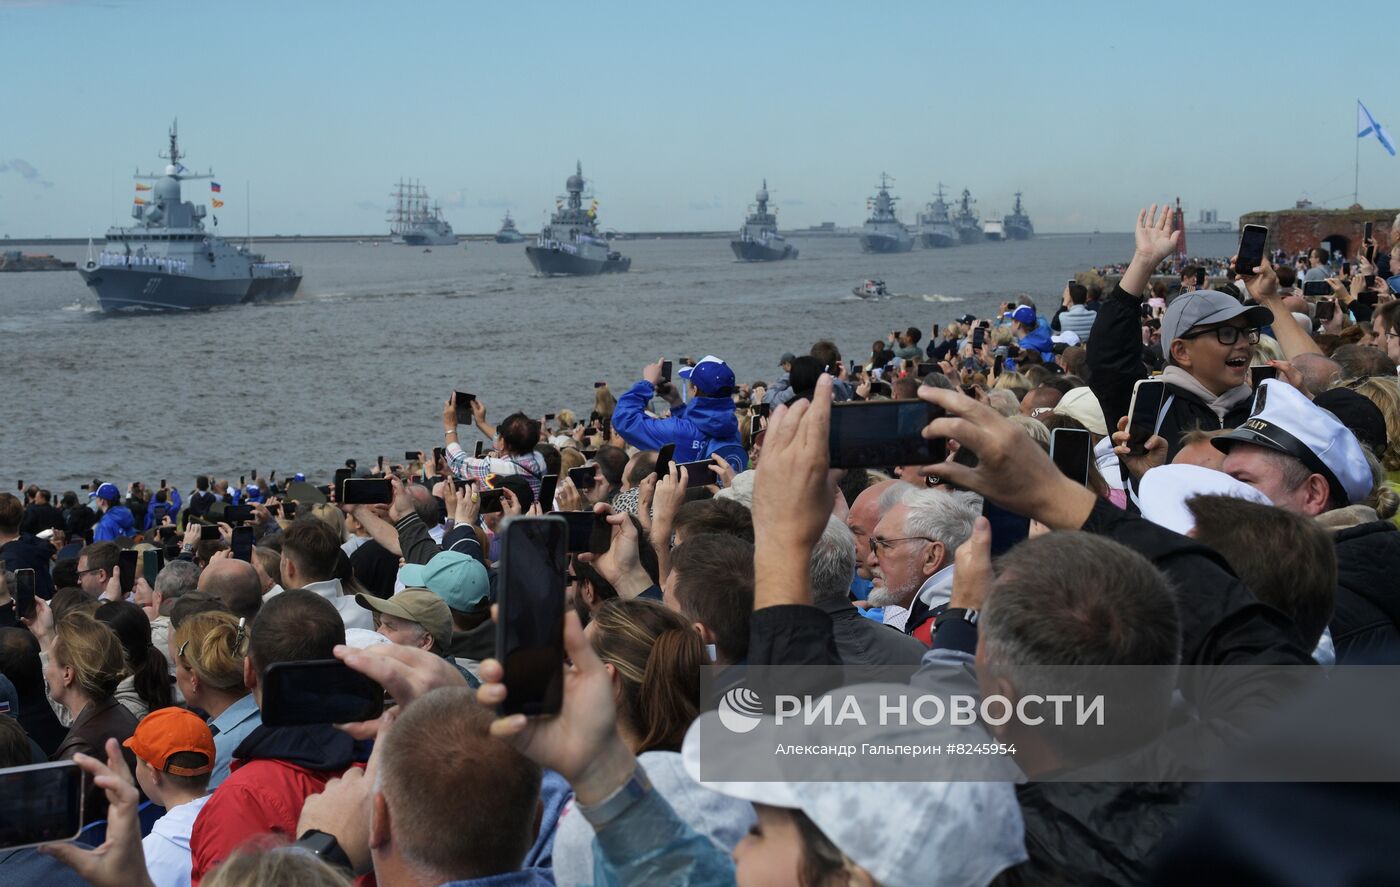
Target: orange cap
[168, 731]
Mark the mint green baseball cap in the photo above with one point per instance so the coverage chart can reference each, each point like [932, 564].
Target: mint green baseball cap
[459, 579]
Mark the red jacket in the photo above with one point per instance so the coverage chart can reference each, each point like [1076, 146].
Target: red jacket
[274, 771]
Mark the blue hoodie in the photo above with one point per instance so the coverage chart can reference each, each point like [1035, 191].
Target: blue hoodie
[115, 524]
[171, 509]
[691, 428]
[1039, 340]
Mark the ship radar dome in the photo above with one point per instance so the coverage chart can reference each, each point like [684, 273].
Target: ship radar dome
[170, 169]
[762, 195]
[575, 181]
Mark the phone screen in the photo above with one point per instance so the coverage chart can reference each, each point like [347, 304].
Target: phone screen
[152, 562]
[480, 448]
[530, 630]
[209, 533]
[1325, 310]
[1070, 450]
[242, 543]
[1259, 374]
[319, 691]
[410, 456]
[665, 371]
[463, 402]
[587, 531]
[663, 460]
[875, 434]
[1251, 251]
[547, 485]
[368, 491]
[24, 595]
[491, 501]
[755, 425]
[289, 510]
[126, 561]
[1142, 421]
[698, 474]
[978, 335]
[583, 477]
[237, 514]
[1316, 288]
[40, 803]
[439, 453]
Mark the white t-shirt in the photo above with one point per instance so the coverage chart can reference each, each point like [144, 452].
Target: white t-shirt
[167, 847]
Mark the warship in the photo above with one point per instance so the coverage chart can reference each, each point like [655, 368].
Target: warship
[570, 244]
[168, 261]
[935, 227]
[509, 233]
[413, 222]
[1018, 225]
[992, 228]
[759, 240]
[965, 220]
[883, 231]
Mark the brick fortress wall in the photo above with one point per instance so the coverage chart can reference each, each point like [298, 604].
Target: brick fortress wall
[1298, 230]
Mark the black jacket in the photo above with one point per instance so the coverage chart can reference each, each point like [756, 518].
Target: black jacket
[30, 552]
[1366, 617]
[38, 517]
[862, 641]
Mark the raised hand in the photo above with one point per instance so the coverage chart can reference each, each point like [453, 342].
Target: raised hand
[1153, 237]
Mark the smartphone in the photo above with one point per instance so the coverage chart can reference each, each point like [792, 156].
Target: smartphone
[549, 417]
[379, 464]
[698, 474]
[997, 364]
[491, 501]
[1148, 395]
[599, 384]
[1259, 374]
[480, 448]
[152, 562]
[1070, 450]
[935, 331]
[1251, 251]
[1368, 245]
[242, 481]
[410, 456]
[1346, 268]
[463, 402]
[167, 533]
[1316, 288]
[979, 335]
[209, 533]
[368, 491]
[341, 476]
[665, 371]
[318, 691]
[530, 623]
[24, 594]
[763, 409]
[547, 486]
[875, 434]
[755, 426]
[925, 369]
[583, 477]
[1325, 309]
[40, 803]
[242, 543]
[237, 514]
[664, 459]
[289, 510]
[162, 483]
[438, 454]
[127, 561]
[587, 531]
[607, 427]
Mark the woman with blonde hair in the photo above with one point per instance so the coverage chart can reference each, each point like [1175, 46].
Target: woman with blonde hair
[208, 650]
[654, 658]
[85, 665]
[275, 867]
[603, 403]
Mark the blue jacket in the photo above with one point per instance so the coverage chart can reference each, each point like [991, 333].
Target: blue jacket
[1039, 340]
[116, 523]
[691, 428]
[171, 508]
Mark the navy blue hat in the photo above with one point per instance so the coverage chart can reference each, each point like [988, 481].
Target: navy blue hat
[710, 377]
[109, 492]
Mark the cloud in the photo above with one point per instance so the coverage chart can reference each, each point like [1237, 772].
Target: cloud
[706, 205]
[26, 171]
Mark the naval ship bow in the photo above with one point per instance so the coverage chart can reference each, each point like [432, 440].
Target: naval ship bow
[168, 261]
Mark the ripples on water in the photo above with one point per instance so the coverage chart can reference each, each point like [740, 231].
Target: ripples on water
[358, 364]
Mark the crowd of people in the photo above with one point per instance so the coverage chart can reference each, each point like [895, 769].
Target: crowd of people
[1256, 526]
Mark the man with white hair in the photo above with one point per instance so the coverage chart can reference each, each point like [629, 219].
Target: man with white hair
[912, 548]
[859, 641]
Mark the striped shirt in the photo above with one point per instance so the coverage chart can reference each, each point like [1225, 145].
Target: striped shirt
[530, 466]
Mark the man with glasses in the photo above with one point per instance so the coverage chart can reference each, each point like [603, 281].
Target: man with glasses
[96, 564]
[1207, 341]
[911, 550]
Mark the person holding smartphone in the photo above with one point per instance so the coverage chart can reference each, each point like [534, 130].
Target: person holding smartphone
[21, 551]
[115, 520]
[515, 441]
[701, 428]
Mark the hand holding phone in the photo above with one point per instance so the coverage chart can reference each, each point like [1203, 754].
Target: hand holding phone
[530, 623]
[1251, 250]
[1071, 449]
[463, 402]
[1148, 396]
[40, 803]
[664, 459]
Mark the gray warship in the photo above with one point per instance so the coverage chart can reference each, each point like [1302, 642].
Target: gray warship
[570, 244]
[965, 220]
[1017, 226]
[509, 233]
[883, 231]
[935, 225]
[168, 261]
[413, 222]
[759, 240]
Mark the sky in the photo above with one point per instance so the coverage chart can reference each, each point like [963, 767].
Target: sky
[678, 110]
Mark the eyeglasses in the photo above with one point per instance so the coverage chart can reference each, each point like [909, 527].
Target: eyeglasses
[879, 544]
[89, 570]
[1229, 335]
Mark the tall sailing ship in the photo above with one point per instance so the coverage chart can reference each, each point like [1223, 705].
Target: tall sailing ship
[570, 244]
[1018, 225]
[935, 225]
[168, 261]
[759, 240]
[415, 222]
[965, 220]
[883, 231]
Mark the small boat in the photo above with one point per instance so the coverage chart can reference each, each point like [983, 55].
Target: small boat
[871, 289]
[426, 250]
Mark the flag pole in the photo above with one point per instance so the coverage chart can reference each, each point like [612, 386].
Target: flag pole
[1356, 180]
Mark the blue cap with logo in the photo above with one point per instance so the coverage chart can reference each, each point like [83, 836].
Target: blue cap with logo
[1024, 315]
[457, 578]
[711, 377]
[109, 492]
